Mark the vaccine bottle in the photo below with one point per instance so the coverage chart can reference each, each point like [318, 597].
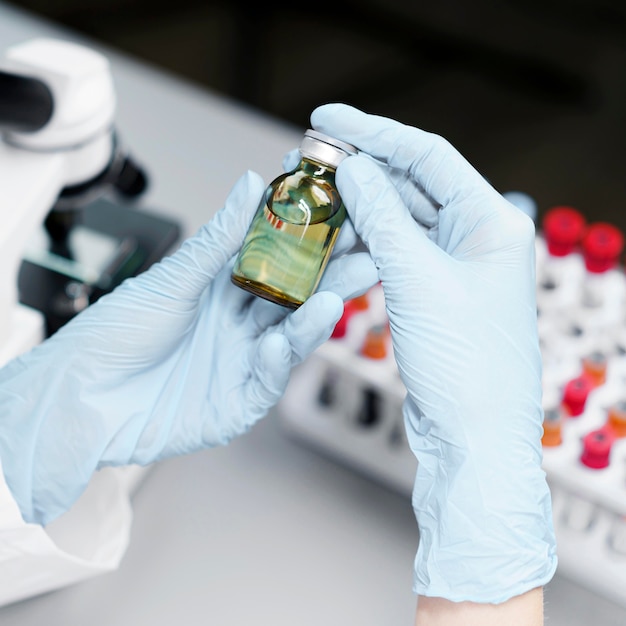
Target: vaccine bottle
[293, 232]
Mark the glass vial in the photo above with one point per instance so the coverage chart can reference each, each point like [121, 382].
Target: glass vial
[293, 232]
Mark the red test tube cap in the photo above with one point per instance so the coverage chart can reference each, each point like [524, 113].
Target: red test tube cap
[602, 246]
[341, 327]
[563, 228]
[597, 448]
[575, 395]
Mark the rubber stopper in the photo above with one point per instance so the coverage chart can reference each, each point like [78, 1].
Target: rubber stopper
[602, 246]
[563, 229]
[597, 448]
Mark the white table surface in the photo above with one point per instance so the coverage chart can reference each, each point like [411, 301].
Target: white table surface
[263, 531]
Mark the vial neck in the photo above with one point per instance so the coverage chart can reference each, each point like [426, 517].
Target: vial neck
[312, 167]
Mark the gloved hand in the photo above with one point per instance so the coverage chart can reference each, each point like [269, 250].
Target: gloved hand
[174, 360]
[456, 262]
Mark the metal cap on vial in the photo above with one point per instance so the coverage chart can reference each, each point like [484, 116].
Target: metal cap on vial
[321, 147]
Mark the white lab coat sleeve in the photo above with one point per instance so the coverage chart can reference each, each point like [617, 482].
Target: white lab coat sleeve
[89, 539]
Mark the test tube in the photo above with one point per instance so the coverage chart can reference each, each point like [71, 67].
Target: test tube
[560, 273]
[602, 246]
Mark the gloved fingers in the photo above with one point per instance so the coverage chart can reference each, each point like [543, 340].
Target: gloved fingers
[380, 216]
[350, 276]
[347, 240]
[270, 374]
[235, 303]
[291, 159]
[439, 169]
[311, 325]
[265, 314]
[187, 272]
[422, 208]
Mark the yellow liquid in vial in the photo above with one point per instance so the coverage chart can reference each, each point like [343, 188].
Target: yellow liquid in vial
[290, 239]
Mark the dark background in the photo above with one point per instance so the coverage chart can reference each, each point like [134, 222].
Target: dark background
[533, 92]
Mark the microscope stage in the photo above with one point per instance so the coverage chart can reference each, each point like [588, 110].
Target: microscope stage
[111, 242]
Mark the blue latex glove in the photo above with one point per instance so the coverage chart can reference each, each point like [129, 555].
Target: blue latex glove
[456, 261]
[175, 360]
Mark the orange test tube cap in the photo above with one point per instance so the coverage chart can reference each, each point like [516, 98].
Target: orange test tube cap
[594, 368]
[552, 428]
[616, 419]
[375, 344]
[360, 303]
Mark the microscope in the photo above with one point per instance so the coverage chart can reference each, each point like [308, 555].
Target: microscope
[69, 233]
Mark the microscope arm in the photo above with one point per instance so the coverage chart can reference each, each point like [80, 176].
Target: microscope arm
[57, 105]
[28, 185]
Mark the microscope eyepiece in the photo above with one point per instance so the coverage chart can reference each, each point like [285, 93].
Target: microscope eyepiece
[26, 103]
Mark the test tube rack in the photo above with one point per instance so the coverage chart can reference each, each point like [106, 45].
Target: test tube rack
[346, 400]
